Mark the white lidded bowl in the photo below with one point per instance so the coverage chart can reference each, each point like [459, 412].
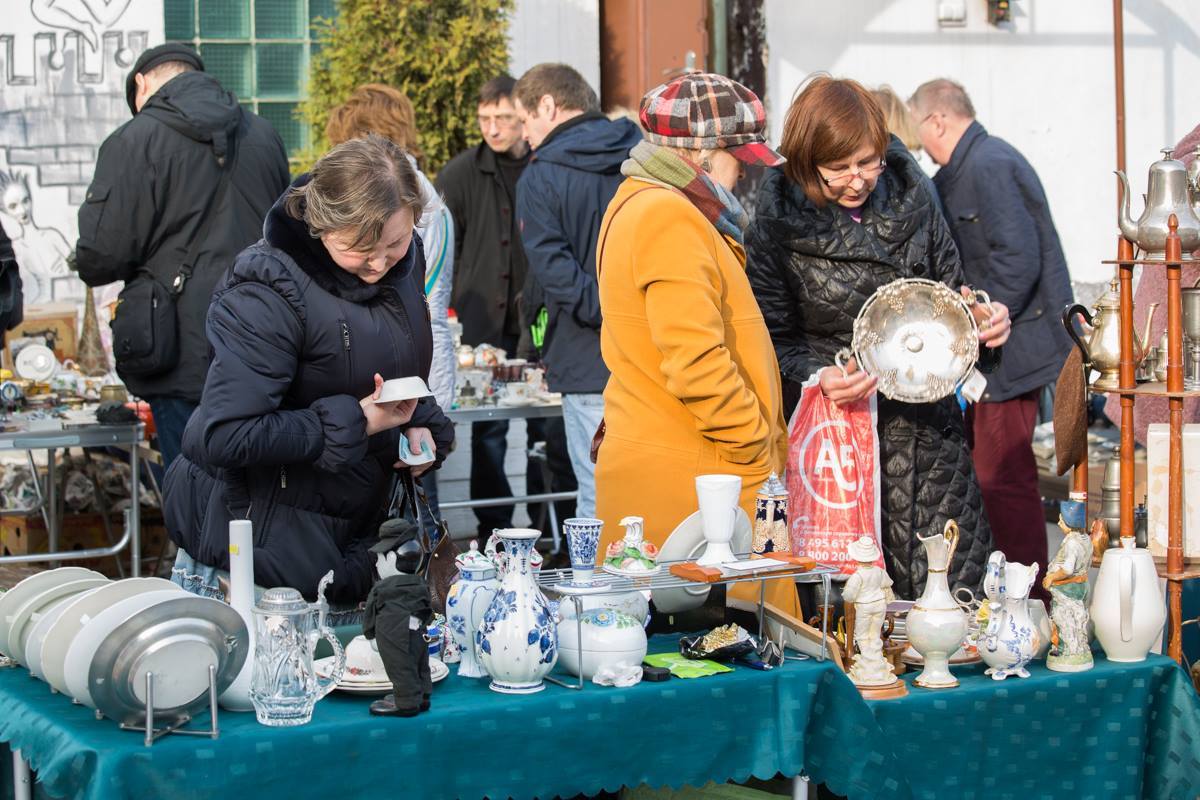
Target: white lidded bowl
[609, 638]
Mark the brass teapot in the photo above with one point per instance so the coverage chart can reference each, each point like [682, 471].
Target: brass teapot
[1167, 193]
[1102, 348]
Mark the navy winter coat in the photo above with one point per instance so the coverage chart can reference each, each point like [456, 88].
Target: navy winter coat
[1001, 222]
[561, 199]
[279, 435]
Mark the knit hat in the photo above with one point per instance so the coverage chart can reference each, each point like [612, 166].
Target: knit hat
[705, 111]
[149, 59]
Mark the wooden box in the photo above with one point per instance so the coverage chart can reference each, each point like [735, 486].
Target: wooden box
[27, 535]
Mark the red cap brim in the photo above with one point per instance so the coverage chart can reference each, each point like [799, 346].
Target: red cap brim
[757, 154]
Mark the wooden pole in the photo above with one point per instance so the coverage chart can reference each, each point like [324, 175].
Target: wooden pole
[1127, 382]
[1119, 66]
[1175, 464]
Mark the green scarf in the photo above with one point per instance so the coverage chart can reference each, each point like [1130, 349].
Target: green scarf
[718, 205]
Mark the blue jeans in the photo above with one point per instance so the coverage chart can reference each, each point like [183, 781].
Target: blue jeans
[171, 415]
[582, 415]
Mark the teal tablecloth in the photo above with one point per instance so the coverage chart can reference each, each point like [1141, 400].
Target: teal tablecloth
[804, 717]
[1117, 731]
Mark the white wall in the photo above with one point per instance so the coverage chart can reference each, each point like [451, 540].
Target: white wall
[566, 31]
[1044, 83]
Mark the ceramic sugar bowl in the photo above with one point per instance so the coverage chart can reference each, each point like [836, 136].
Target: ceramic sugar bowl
[608, 638]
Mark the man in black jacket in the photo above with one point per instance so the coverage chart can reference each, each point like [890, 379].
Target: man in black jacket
[1000, 220]
[479, 186]
[561, 199]
[155, 203]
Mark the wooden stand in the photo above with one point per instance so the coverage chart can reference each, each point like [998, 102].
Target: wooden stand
[891, 691]
[1175, 569]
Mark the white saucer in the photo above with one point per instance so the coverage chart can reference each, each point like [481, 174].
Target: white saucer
[596, 586]
[632, 573]
[27, 616]
[686, 543]
[26, 590]
[437, 672]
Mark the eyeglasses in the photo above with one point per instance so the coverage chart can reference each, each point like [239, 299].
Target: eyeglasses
[844, 179]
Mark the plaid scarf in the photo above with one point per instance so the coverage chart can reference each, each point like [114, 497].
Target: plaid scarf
[718, 205]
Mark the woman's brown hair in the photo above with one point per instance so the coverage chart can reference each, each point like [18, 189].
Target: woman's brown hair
[357, 187]
[376, 108]
[828, 120]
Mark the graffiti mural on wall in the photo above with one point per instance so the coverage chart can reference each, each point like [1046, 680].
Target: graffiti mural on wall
[62, 91]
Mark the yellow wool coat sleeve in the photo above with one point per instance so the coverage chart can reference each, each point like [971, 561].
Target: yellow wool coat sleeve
[676, 269]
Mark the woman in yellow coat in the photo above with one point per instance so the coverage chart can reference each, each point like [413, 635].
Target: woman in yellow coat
[695, 386]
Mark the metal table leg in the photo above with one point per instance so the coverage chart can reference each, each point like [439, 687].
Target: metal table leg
[53, 520]
[800, 787]
[22, 783]
[135, 515]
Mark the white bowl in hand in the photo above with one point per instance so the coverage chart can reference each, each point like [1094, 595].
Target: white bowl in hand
[398, 389]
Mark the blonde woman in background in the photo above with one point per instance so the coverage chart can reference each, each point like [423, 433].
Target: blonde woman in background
[901, 124]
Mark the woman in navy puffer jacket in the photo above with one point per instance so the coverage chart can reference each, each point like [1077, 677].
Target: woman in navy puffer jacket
[303, 328]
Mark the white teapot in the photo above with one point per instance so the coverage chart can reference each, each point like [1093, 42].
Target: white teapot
[1127, 604]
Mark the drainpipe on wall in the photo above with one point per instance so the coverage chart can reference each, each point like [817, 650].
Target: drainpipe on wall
[718, 37]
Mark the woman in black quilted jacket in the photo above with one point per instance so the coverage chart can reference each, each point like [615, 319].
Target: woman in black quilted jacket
[848, 213]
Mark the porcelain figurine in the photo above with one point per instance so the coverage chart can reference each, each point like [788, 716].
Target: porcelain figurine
[936, 624]
[1127, 603]
[632, 553]
[518, 640]
[1067, 581]
[1011, 638]
[870, 589]
[469, 597]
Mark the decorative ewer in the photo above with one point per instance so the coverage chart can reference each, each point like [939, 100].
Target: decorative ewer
[518, 640]
[1127, 603]
[771, 518]
[936, 624]
[1167, 193]
[1102, 348]
[870, 589]
[469, 597]
[1011, 638]
[1067, 581]
[284, 686]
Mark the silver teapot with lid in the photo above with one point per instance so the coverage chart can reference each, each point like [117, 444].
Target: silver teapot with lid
[1168, 192]
[284, 685]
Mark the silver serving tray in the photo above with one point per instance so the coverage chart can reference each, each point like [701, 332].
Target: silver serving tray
[177, 640]
[918, 337]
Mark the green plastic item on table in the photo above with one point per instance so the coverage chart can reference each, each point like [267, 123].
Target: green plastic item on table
[682, 667]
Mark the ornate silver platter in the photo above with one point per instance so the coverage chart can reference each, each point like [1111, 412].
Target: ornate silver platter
[918, 337]
[177, 640]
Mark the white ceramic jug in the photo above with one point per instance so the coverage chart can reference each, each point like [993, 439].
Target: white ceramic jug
[936, 624]
[1127, 604]
[1011, 638]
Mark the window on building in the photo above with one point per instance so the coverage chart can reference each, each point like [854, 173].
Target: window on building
[257, 49]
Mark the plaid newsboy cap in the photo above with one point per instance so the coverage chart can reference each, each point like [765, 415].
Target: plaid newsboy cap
[706, 111]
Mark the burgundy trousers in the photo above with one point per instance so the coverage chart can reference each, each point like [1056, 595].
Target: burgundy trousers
[1002, 449]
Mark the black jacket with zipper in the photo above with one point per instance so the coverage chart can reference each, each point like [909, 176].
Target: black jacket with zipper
[155, 177]
[279, 436]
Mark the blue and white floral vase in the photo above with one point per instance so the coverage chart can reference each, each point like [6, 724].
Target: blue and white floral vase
[518, 640]
[583, 537]
[469, 597]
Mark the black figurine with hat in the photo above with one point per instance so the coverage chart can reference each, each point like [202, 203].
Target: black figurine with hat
[397, 617]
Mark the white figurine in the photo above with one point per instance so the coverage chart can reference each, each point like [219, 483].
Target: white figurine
[870, 589]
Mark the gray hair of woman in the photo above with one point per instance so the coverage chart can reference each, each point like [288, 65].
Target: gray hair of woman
[356, 187]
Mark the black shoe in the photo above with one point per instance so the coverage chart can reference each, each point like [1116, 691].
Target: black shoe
[386, 707]
[424, 705]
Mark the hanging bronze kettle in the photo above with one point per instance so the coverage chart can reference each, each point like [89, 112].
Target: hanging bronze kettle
[1102, 347]
[1167, 193]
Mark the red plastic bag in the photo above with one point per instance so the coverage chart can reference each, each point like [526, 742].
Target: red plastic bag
[832, 476]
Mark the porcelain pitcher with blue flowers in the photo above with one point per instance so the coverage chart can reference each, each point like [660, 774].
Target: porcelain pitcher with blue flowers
[1011, 638]
[518, 640]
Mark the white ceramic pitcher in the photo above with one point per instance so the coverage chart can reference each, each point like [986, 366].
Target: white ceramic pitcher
[936, 624]
[1127, 604]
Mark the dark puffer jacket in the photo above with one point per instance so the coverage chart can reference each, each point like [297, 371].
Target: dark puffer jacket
[279, 434]
[812, 269]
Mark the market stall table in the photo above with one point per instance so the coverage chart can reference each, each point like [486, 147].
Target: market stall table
[804, 717]
[1115, 731]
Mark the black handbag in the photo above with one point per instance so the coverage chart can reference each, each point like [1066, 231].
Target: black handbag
[145, 324]
[439, 565]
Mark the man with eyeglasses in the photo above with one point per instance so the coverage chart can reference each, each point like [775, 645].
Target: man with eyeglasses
[479, 187]
[1000, 220]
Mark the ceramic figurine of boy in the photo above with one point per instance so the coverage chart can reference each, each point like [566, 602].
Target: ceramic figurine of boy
[396, 619]
[870, 589]
[1067, 581]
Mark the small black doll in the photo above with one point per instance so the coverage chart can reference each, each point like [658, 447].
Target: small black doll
[396, 620]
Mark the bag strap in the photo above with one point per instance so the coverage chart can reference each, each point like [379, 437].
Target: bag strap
[224, 163]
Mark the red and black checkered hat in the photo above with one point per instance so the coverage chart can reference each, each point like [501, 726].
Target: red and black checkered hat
[705, 111]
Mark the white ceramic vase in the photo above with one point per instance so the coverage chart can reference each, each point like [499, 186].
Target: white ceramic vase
[1011, 638]
[718, 500]
[518, 640]
[241, 599]
[468, 599]
[936, 624]
[1127, 603]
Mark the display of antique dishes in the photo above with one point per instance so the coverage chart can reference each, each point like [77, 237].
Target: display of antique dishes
[97, 640]
[918, 337]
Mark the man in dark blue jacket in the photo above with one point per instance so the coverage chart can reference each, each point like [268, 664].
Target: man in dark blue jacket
[1001, 222]
[561, 199]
